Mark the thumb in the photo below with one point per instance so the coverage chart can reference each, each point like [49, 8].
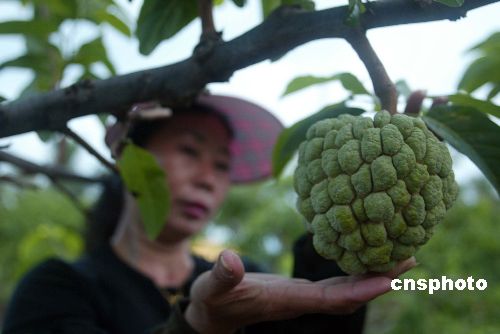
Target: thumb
[226, 273]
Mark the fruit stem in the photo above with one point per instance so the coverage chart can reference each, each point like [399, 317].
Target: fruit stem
[205, 9]
[382, 84]
[209, 38]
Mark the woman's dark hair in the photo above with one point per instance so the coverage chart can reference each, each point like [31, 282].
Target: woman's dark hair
[105, 213]
[141, 132]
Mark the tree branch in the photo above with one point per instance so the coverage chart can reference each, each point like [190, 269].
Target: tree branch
[52, 172]
[180, 82]
[17, 182]
[382, 84]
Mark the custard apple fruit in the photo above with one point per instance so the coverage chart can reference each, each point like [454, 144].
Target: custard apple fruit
[372, 191]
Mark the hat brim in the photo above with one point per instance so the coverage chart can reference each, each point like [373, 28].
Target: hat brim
[255, 133]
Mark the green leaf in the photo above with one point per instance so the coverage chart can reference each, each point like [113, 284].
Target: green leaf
[480, 105]
[46, 136]
[481, 71]
[114, 21]
[36, 45]
[25, 61]
[348, 80]
[42, 82]
[351, 83]
[146, 180]
[303, 82]
[93, 52]
[356, 8]
[29, 28]
[49, 63]
[451, 3]
[2, 99]
[61, 8]
[494, 91]
[268, 6]
[290, 138]
[160, 20]
[103, 119]
[471, 133]
[491, 46]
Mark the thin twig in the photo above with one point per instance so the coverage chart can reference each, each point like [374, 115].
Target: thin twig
[73, 135]
[382, 84]
[51, 172]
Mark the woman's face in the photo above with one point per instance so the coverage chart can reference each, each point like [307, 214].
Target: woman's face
[193, 149]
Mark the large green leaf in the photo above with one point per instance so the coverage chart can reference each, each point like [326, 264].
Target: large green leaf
[451, 3]
[491, 46]
[146, 180]
[486, 68]
[483, 70]
[348, 81]
[480, 105]
[290, 138]
[160, 20]
[471, 133]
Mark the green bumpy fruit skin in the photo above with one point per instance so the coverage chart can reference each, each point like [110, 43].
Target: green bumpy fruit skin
[372, 191]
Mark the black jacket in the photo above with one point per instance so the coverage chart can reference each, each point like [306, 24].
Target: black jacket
[101, 294]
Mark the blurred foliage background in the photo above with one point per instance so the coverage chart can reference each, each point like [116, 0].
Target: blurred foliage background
[257, 220]
[260, 222]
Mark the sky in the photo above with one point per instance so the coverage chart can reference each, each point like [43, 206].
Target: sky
[430, 56]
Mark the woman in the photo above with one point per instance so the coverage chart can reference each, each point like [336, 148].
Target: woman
[131, 283]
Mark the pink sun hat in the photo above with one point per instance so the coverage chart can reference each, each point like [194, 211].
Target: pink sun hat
[255, 131]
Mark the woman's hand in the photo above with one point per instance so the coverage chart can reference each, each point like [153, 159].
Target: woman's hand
[225, 298]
